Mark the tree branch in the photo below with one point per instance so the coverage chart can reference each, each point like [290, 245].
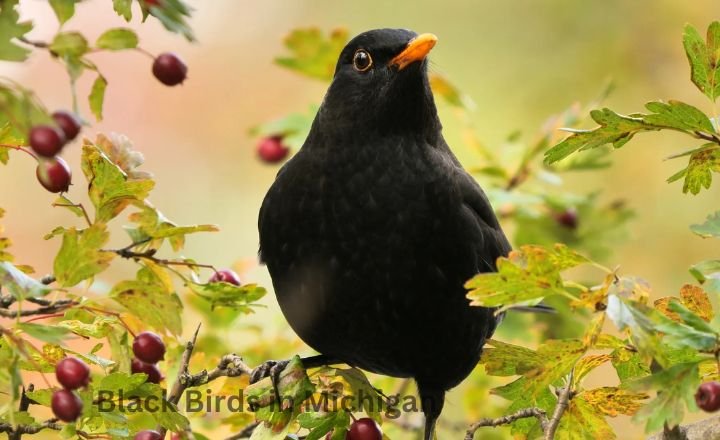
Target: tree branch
[47, 309]
[506, 420]
[560, 407]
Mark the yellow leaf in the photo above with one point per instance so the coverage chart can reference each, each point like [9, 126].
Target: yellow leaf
[613, 401]
[662, 306]
[587, 364]
[695, 299]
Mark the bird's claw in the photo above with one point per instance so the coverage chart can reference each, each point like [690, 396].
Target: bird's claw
[270, 369]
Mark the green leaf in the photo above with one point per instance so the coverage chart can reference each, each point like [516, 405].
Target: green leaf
[676, 114]
[4, 241]
[628, 364]
[229, 295]
[110, 189]
[312, 53]
[516, 392]
[614, 129]
[582, 420]
[64, 9]
[632, 315]
[117, 39]
[97, 97]
[11, 28]
[692, 332]
[153, 225]
[711, 227]
[502, 359]
[530, 273]
[69, 44]
[676, 388]
[19, 284]
[698, 173]
[293, 128]
[152, 290]
[173, 15]
[66, 203]
[123, 8]
[80, 256]
[99, 328]
[706, 270]
[704, 58]
[47, 333]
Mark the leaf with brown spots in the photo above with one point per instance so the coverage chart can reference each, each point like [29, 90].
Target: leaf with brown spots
[613, 401]
[695, 299]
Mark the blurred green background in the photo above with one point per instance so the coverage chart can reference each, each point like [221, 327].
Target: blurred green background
[519, 61]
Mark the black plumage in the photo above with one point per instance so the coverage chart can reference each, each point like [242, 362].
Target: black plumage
[370, 231]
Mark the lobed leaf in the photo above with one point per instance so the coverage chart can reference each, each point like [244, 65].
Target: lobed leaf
[110, 189]
[698, 174]
[10, 28]
[530, 273]
[151, 290]
[312, 53]
[80, 256]
[676, 388]
[704, 58]
[711, 227]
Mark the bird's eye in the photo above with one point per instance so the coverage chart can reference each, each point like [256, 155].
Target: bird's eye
[362, 60]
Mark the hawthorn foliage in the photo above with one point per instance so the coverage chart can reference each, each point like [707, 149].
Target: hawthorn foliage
[661, 351]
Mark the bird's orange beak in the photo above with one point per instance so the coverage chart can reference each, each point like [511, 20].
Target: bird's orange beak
[416, 50]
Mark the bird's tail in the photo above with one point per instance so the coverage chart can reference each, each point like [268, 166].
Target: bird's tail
[432, 400]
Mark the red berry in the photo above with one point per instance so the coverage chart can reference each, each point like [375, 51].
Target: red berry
[148, 434]
[568, 218]
[364, 429]
[153, 373]
[708, 396]
[152, 3]
[54, 174]
[169, 69]
[148, 347]
[66, 405]
[68, 123]
[328, 436]
[272, 150]
[72, 373]
[46, 141]
[225, 276]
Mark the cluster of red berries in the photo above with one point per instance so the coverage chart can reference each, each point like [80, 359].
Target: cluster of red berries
[568, 218]
[72, 373]
[47, 141]
[149, 349]
[707, 396]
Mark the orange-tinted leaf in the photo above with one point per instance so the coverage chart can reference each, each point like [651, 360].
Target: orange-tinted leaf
[695, 299]
[613, 401]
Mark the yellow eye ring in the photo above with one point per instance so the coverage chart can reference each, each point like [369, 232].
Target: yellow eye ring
[362, 61]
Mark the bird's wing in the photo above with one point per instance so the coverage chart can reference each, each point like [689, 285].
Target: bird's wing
[488, 238]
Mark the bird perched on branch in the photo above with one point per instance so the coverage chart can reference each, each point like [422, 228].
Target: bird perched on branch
[370, 231]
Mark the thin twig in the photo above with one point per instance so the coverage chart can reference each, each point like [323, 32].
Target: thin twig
[246, 432]
[50, 309]
[560, 407]
[38, 44]
[19, 148]
[149, 255]
[76, 205]
[506, 420]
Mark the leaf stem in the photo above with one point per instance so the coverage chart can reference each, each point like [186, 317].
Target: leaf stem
[19, 148]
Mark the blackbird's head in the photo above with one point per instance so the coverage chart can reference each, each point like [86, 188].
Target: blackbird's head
[381, 86]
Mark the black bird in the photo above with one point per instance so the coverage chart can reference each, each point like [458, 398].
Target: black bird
[370, 231]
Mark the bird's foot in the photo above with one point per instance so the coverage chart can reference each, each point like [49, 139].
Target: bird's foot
[271, 369]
